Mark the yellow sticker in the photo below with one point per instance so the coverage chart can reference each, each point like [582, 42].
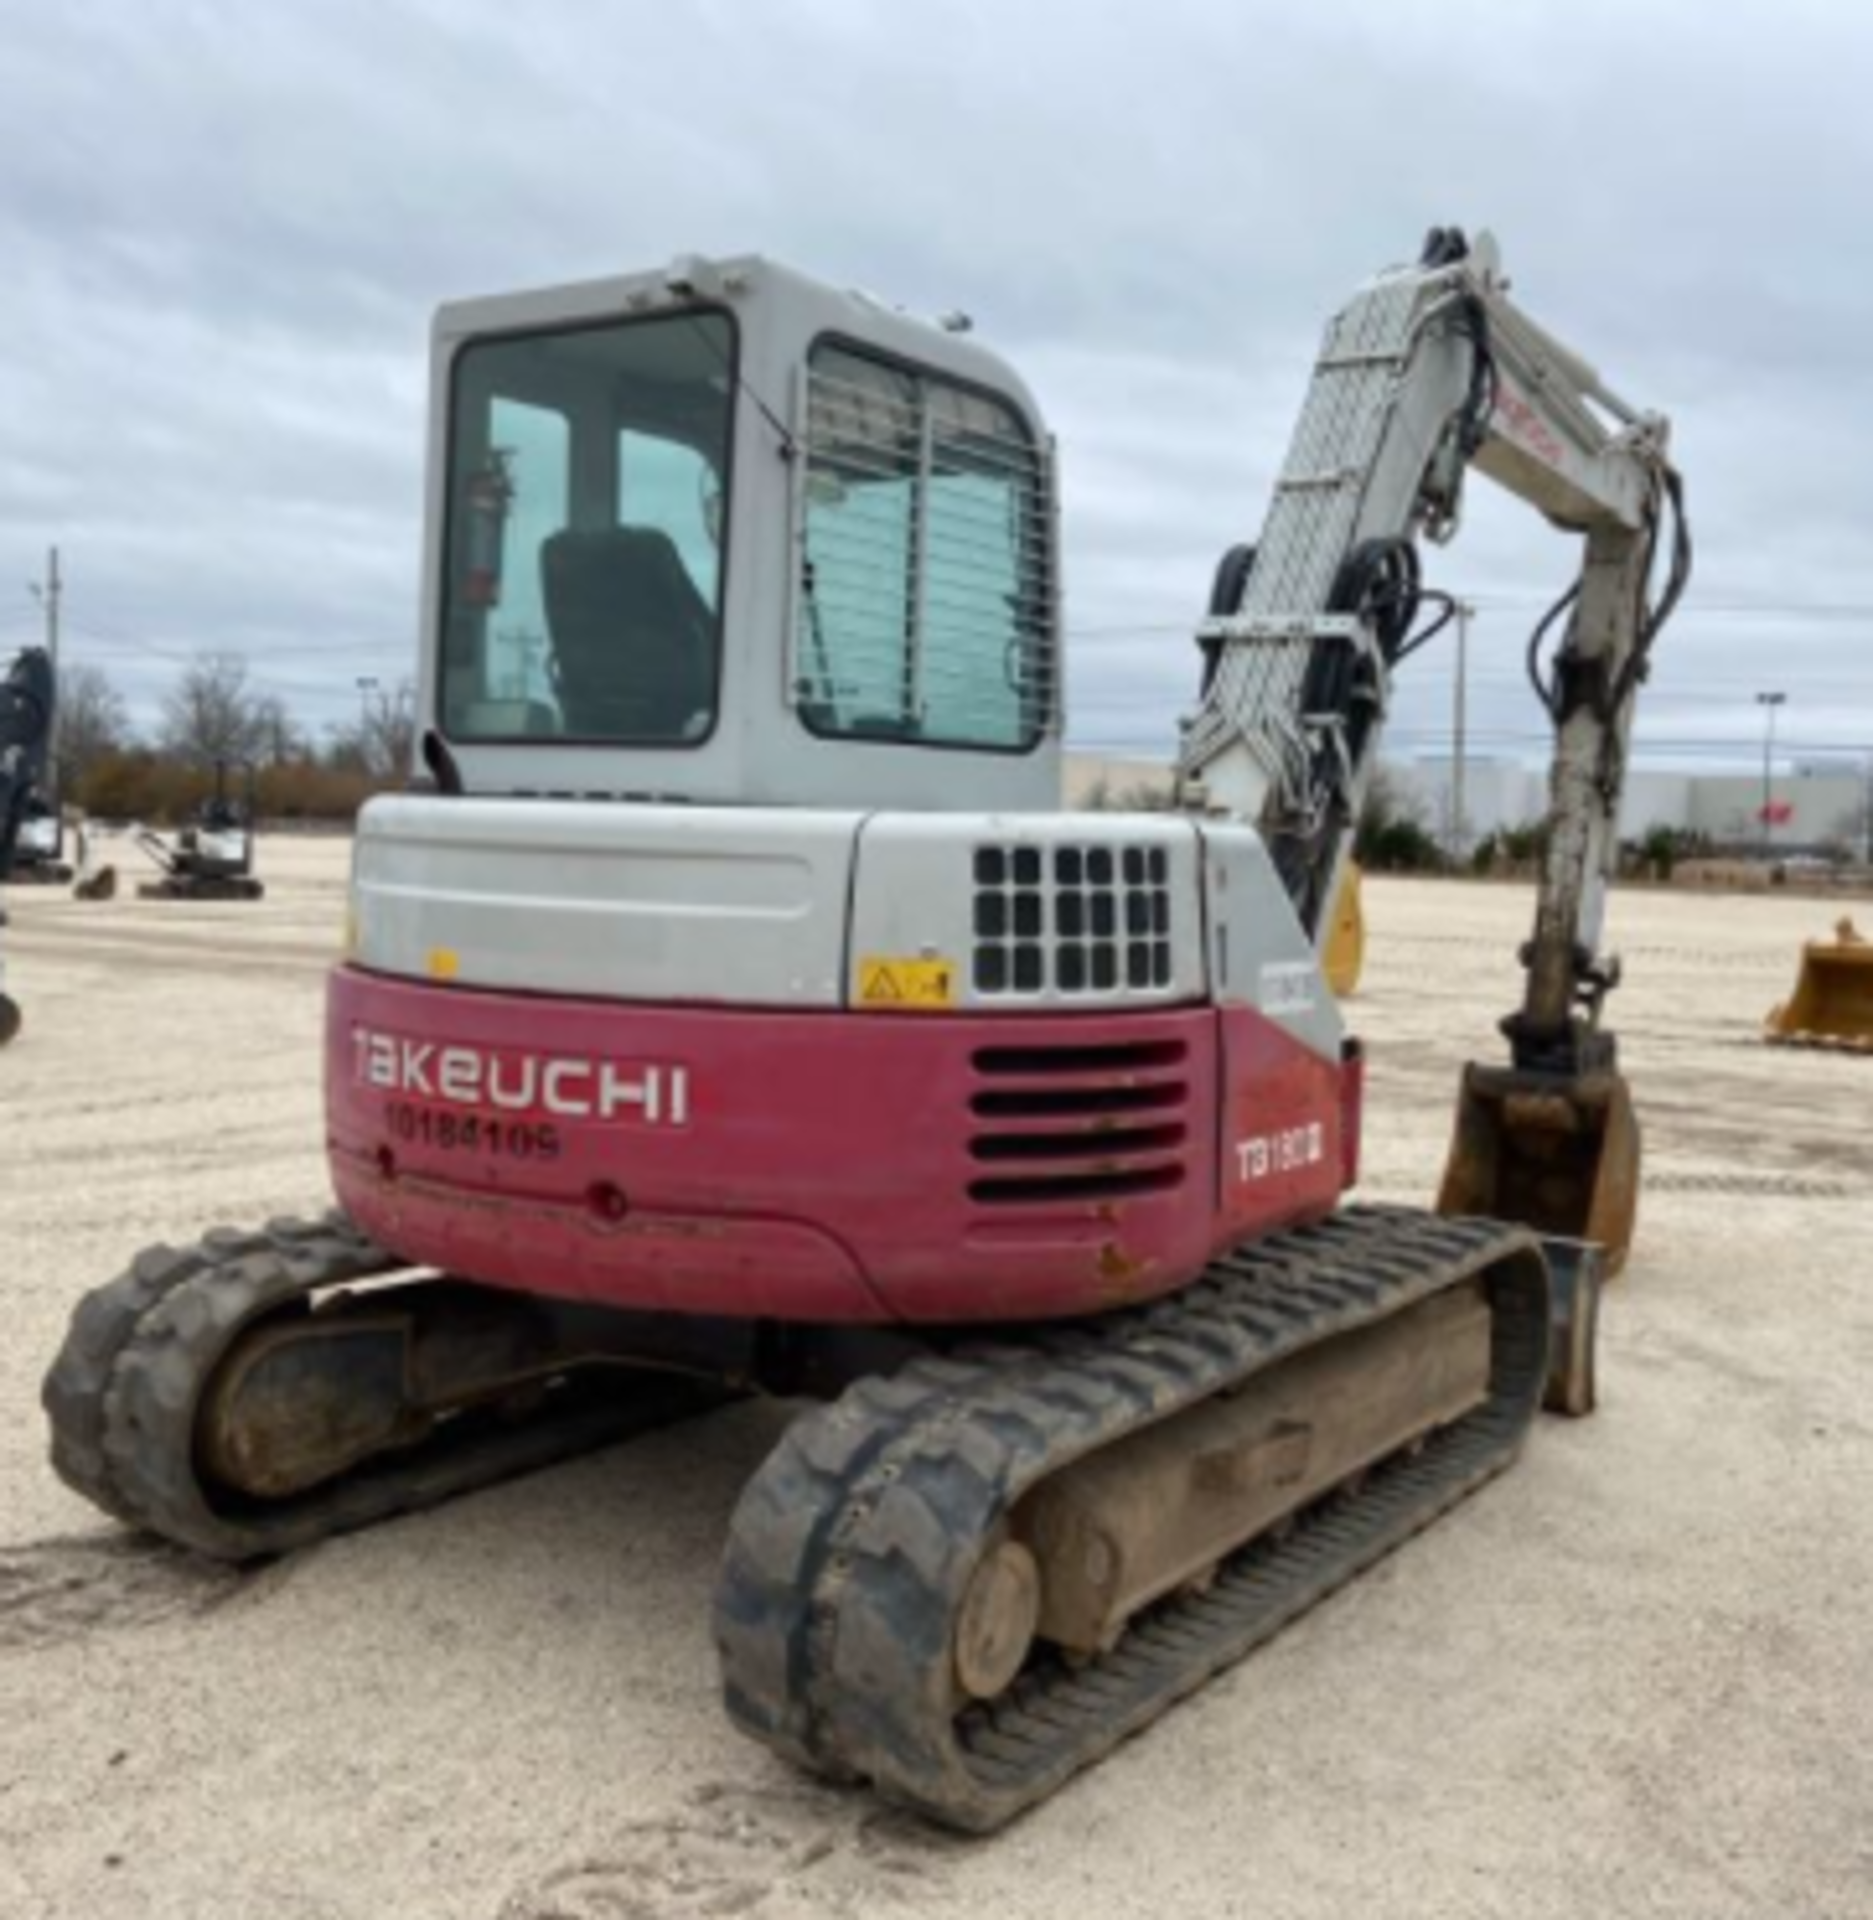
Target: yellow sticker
[907, 985]
[444, 963]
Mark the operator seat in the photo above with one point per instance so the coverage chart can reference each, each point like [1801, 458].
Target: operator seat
[633, 641]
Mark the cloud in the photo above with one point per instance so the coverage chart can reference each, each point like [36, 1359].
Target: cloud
[225, 229]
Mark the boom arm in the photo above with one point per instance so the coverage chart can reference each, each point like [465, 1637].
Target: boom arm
[1428, 371]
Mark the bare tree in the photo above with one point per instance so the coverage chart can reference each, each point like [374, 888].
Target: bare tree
[392, 730]
[1135, 796]
[281, 737]
[93, 721]
[382, 739]
[1392, 836]
[210, 715]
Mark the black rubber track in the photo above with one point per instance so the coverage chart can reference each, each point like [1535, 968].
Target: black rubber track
[201, 890]
[123, 1392]
[852, 1547]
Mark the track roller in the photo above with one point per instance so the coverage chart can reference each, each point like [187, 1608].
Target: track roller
[969, 1581]
[261, 1391]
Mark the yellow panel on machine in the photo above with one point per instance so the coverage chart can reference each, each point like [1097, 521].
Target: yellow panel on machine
[1832, 1005]
[1346, 941]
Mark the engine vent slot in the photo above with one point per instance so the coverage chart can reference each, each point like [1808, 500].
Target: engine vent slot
[1075, 1146]
[1092, 1185]
[1120, 1056]
[1046, 1102]
[1078, 1123]
[1086, 920]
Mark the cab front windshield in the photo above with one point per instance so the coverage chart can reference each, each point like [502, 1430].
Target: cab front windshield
[583, 555]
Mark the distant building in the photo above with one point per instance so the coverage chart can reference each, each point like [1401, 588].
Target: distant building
[1816, 804]
[1086, 776]
[1813, 806]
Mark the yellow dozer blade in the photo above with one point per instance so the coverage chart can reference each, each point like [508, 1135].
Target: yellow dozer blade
[1346, 941]
[1832, 1005]
[1556, 1153]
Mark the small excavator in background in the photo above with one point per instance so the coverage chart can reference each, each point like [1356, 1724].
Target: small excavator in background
[96, 880]
[730, 1006]
[28, 696]
[212, 857]
[39, 857]
[39, 848]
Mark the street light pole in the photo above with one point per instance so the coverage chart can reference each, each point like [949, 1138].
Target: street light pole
[1459, 732]
[1768, 702]
[50, 598]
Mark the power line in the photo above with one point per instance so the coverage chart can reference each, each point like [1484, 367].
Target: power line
[325, 648]
[1528, 603]
[265, 677]
[112, 637]
[1154, 627]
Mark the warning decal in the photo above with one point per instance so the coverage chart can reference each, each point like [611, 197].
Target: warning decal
[905, 985]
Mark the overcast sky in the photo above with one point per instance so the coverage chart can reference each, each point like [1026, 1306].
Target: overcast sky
[224, 228]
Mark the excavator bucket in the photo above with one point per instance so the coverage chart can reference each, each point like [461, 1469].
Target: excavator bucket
[1556, 1153]
[1832, 1005]
[1346, 939]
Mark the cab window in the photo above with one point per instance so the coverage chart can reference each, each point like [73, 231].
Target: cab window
[587, 480]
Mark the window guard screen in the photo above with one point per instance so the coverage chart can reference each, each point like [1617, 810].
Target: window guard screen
[926, 609]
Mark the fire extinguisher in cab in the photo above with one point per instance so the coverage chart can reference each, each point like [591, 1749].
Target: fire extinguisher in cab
[489, 496]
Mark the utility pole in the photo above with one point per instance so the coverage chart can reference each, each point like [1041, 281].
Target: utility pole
[1458, 822]
[1866, 813]
[1769, 702]
[53, 588]
[48, 597]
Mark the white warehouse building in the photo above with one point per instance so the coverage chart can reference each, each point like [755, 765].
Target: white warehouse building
[1826, 804]
[1822, 805]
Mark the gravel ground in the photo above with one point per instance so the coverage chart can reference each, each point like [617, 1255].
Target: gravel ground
[1633, 1677]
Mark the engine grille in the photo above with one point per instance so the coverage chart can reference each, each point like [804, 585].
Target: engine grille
[1065, 1123]
[1073, 919]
